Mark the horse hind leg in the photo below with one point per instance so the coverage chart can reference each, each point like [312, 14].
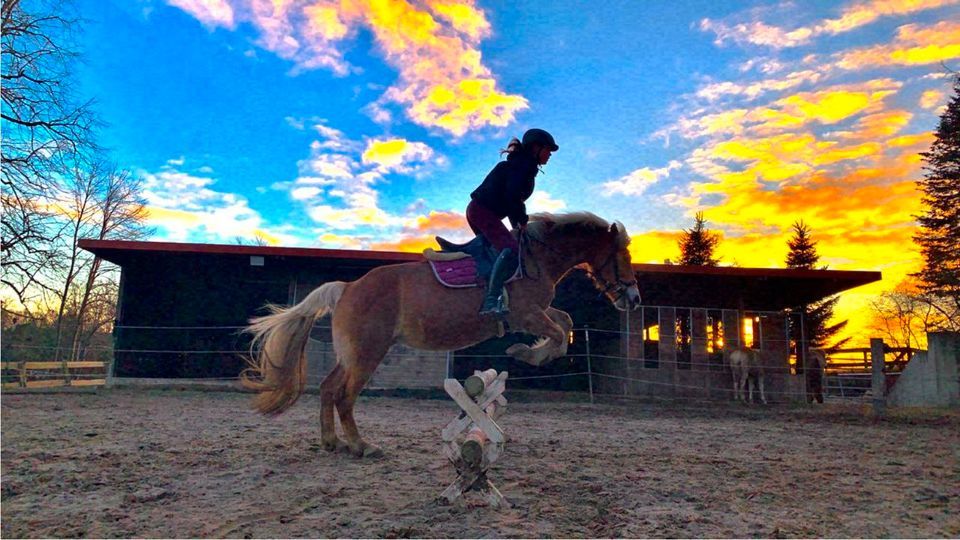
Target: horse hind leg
[330, 389]
[354, 442]
[763, 398]
[358, 364]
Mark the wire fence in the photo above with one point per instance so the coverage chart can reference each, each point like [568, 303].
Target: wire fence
[687, 357]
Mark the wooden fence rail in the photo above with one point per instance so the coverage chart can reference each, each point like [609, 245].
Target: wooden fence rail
[53, 374]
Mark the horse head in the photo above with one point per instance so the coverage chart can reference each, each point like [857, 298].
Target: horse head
[585, 240]
[612, 269]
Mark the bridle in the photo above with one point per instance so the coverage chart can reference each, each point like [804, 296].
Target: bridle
[617, 289]
[620, 286]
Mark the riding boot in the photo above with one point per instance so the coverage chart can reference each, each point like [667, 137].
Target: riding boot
[503, 268]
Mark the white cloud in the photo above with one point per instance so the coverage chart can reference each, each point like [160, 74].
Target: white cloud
[637, 182]
[188, 208]
[541, 201]
[211, 13]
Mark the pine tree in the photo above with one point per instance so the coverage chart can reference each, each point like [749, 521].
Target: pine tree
[803, 250]
[816, 317]
[939, 235]
[698, 244]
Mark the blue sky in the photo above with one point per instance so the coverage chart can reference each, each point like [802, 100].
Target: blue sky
[366, 124]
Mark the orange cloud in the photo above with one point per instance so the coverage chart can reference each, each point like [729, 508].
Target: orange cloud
[825, 106]
[932, 99]
[418, 233]
[654, 246]
[440, 221]
[879, 125]
[913, 45]
[443, 82]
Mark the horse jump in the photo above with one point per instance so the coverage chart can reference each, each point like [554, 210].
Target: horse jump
[473, 441]
[404, 303]
[746, 364]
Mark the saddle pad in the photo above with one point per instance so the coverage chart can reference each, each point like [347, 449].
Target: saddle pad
[456, 273]
[461, 272]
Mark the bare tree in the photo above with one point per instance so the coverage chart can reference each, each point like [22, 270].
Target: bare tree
[905, 315]
[120, 214]
[45, 130]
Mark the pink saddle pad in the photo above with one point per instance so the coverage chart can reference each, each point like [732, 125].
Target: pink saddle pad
[458, 273]
[461, 273]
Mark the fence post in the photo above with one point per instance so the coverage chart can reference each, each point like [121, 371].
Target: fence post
[449, 376]
[879, 384]
[586, 333]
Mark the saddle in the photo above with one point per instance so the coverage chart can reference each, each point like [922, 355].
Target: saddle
[464, 265]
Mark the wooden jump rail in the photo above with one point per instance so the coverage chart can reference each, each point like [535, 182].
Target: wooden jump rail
[473, 441]
[65, 376]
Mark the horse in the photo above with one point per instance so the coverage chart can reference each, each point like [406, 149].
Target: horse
[405, 304]
[816, 374]
[746, 364]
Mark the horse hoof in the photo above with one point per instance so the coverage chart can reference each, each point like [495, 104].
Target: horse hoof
[330, 446]
[371, 451]
[520, 351]
[364, 450]
[343, 447]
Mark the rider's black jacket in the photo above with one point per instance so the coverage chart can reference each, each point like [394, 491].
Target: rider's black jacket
[508, 186]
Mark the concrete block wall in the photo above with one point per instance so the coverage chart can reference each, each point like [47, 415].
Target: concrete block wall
[932, 378]
[402, 367]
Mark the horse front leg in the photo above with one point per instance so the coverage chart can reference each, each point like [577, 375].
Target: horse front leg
[543, 324]
[547, 347]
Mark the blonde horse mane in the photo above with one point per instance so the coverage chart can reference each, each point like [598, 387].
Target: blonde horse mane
[539, 229]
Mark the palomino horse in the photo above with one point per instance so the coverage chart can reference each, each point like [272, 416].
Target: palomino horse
[404, 303]
[816, 374]
[746, 364]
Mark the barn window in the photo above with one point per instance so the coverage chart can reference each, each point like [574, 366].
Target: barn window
[751, 331]
[684, 334]
[715, 338]
[651, 337]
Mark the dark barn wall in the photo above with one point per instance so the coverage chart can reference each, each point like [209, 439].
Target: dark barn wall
[190, 290]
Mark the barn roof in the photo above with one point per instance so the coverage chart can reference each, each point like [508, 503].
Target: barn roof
[661, 284]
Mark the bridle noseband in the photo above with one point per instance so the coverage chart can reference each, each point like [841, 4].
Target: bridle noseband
[621, 285]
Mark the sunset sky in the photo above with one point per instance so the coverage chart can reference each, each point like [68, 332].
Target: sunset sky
[366, 124]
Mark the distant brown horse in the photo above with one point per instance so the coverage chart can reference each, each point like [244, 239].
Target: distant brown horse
[746, 364]
[404, 303]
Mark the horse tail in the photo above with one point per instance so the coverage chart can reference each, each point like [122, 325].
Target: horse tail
[278, 366]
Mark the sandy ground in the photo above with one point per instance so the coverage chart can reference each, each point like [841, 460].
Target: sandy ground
[154, 463]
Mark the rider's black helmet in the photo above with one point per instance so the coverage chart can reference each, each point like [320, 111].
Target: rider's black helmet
[541, 137]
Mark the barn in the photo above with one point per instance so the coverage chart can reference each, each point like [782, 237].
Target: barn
[181, 308]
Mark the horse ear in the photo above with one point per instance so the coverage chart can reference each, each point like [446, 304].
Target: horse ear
[614, 231]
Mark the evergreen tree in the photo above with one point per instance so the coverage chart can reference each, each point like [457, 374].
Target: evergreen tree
[816, 317]
[939, 235]
[698, 244]
[803, 250]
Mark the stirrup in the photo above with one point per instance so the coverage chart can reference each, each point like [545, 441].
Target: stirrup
[500, 309]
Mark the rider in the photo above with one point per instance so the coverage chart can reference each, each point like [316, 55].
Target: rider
[502, 194]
